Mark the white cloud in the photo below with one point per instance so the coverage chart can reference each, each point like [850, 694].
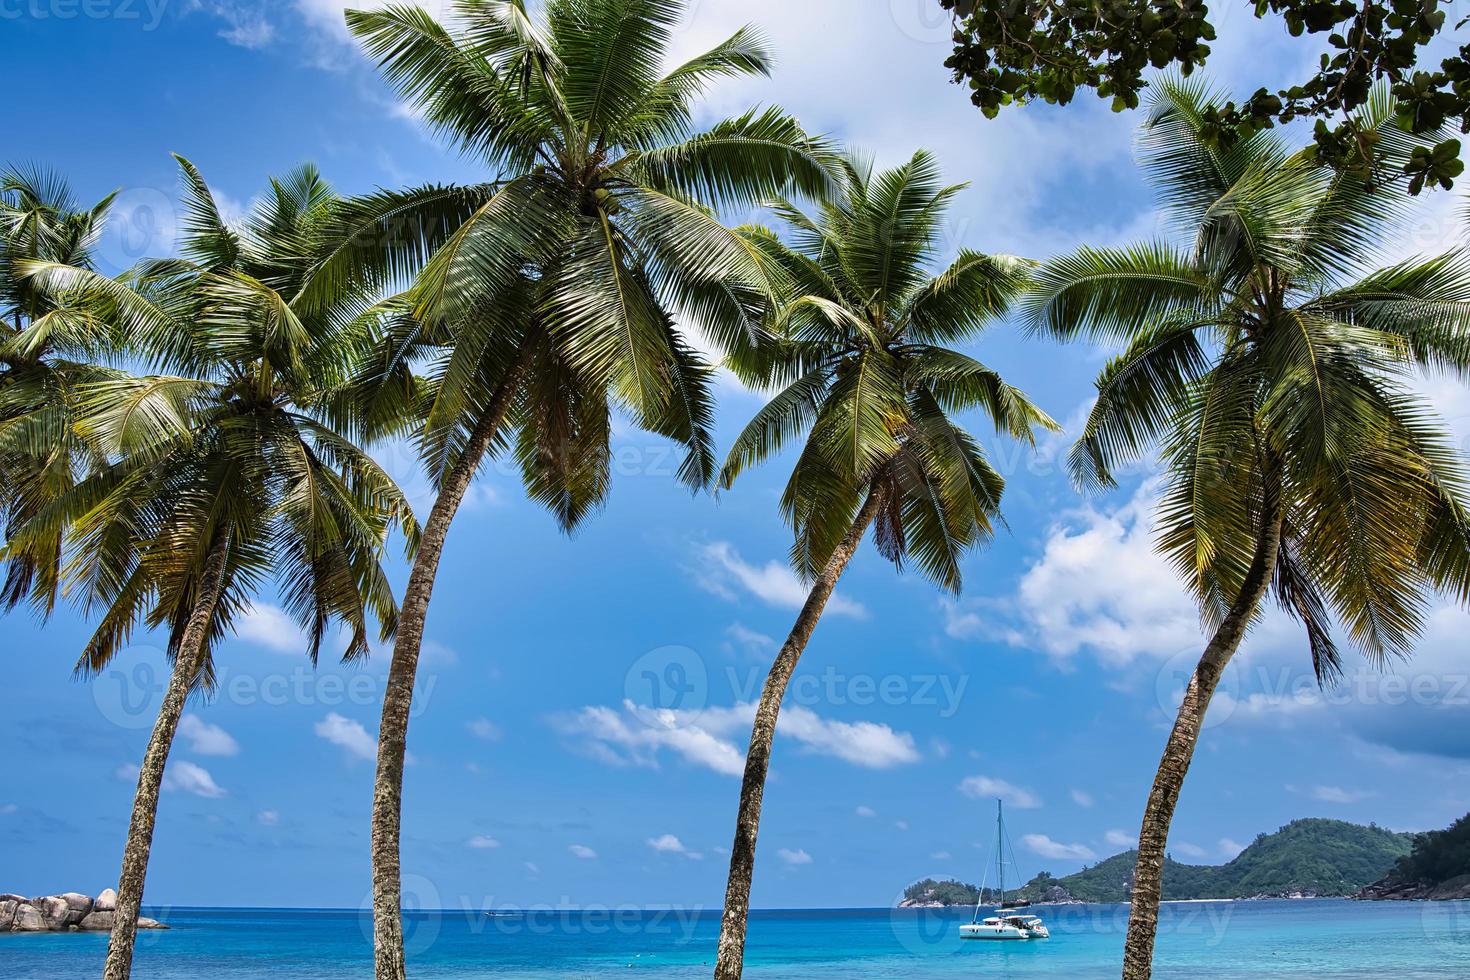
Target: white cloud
[1119, 838]
[1056, 850]
[248, 31]
[750, 641]
[1336, 794]
[480, 842]
[186, 777]
[866, 811]
[532, 868]
[268, 818]
[863, 743]
[941, 856]
[1231, 848]
[1099, 585]
[795, 857]
[669, 844]
[484, 728]
[348, 734]
[986, 787]
[637, 735]
[722, 571]
[1082, 798]
[207, 739]
[582, 851]
[901, 824]
[270, 627]
[1192, 851]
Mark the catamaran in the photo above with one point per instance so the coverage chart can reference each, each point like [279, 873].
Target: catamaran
[1005, 923]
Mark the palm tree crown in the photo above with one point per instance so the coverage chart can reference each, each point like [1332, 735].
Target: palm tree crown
[595, 232]
[46, 350]
[1275, 367]
[229, 452]
[857, 343]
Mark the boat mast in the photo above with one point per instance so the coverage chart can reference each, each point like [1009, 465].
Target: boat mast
[1000, 863]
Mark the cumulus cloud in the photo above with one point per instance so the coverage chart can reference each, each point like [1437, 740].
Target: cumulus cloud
[1082, 798]
[720, 569]
[481, 842]
[1119, 838]
[866, 811]
[348, 734]
[1056, 850]
[187, 777]
[1192, 851]
[582, 851]
[669, 844]
[794, 858]
[270, 627]
[987, 787]
[268, 818]
[207, 739]
[638, 735]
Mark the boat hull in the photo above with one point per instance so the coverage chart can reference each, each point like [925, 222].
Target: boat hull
[985, 932]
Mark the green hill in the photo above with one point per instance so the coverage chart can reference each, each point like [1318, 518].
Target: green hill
[1437, 868]
[1306, 857]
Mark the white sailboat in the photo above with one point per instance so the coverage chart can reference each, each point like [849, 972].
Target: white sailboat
[1005, 923]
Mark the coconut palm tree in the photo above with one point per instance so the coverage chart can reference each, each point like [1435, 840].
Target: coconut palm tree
[858, 345]
[1273, 367]
[222, 473]
[45, 350]
[553, 304]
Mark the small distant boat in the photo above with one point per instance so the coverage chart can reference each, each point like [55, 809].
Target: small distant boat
[1006, 923]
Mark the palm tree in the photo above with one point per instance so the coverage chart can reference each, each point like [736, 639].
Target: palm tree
[45, 351]
[857, 344]
[1273, 366]
[223, 473]
[554, 303]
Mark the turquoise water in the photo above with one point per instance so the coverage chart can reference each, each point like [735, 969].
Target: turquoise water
[1324, 940]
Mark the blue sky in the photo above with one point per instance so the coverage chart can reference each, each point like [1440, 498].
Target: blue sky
[539, 773]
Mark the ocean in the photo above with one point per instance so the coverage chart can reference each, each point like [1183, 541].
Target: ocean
[1321, 939]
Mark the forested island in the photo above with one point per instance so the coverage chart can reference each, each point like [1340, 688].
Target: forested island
[1306, 858]
[1438, 868]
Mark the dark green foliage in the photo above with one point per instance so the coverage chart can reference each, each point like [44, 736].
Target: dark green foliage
[1437, 856]
[1048, 49]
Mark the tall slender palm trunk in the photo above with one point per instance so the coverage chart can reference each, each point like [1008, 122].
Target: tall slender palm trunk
[398, 693]
[731, 957]
[188, 662]
[1153, 837]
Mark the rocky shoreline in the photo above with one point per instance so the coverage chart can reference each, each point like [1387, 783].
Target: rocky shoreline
[1389, 890]
[68, 912]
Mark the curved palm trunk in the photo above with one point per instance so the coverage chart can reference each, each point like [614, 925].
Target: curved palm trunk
[398, 692]
[731, 958]
[1148, 873]
[188, 662]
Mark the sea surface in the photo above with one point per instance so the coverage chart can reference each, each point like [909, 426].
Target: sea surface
[1323, 940]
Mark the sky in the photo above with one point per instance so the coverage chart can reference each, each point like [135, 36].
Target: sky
[541, 771]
